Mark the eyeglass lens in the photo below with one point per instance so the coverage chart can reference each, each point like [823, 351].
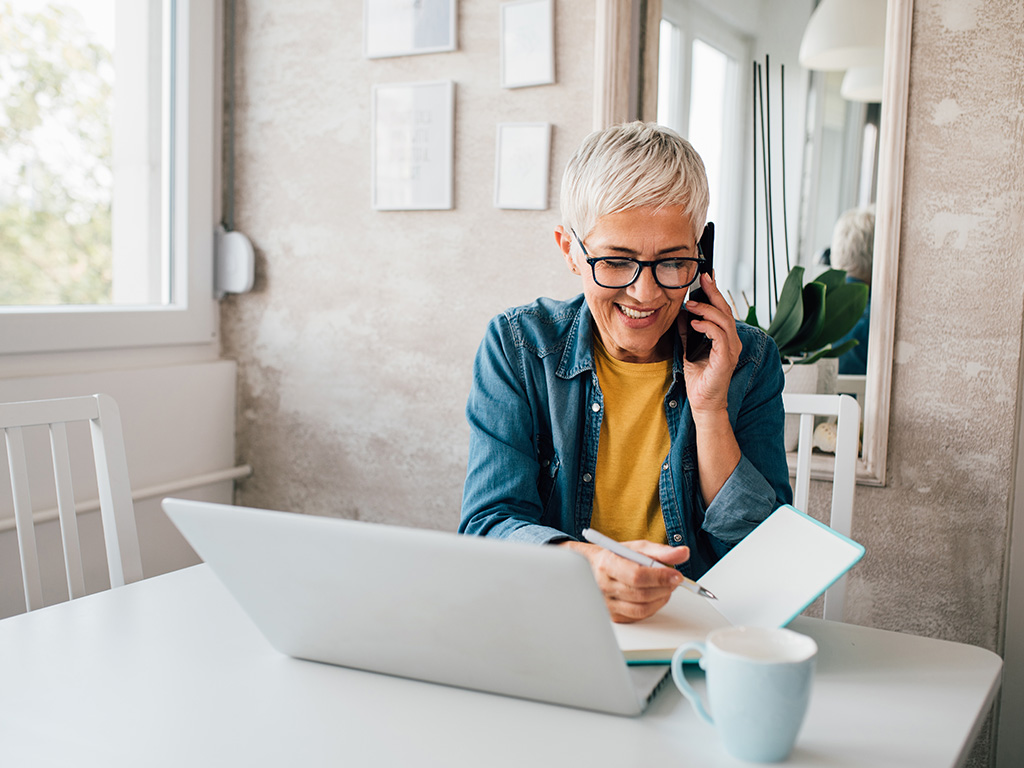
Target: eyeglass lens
[670, 273]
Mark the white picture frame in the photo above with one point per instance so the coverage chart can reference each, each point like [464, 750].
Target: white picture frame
[527, 43]
[408, 27]
[522, 164]
[413, 146]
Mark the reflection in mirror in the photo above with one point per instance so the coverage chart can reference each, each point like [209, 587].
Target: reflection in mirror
[821, 166]
[693, 71]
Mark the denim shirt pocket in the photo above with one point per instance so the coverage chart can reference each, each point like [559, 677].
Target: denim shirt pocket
[549, 464]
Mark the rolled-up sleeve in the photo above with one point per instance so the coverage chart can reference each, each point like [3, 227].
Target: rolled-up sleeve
[743, 502]
[760, 482]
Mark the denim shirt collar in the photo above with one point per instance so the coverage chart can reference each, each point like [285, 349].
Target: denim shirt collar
[578, 354]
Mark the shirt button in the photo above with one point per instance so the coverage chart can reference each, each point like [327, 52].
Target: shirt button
[665, 465]
[545, 463]
[595, 407]
[677, 537]
[587, 477]
[672, 403]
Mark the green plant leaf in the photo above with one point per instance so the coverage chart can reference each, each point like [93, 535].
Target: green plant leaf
[789, 314]
[814, 319]
[811, 358]
[752, 318]
[832, 278]
[843, 348]
[844, 306]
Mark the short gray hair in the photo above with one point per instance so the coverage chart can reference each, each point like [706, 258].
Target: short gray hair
[853, 243]
[633, 165]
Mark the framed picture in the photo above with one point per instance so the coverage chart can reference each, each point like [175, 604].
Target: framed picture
[521, 168]
[527, 43]
[413, 146]
[407, 27]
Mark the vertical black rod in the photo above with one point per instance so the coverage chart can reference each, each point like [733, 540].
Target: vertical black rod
[753, 157]
[770, 213]
[767, 209]
[782, 112]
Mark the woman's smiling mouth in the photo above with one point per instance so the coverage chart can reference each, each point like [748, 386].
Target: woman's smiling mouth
[635, 314]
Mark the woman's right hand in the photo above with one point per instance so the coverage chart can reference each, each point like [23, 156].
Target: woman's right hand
[633, 592]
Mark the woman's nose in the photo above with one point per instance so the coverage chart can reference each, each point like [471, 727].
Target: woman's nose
[645, 287]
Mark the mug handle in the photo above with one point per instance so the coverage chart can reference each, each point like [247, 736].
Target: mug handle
[680, 679]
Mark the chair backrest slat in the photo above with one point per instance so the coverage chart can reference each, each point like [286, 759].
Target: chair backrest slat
[844, 473]
[23, 518]
[115, 495]
[66, 509]
[802, 487]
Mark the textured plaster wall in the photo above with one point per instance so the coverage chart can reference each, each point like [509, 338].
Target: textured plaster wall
[936, 533]
[354, 350]
[355, 347]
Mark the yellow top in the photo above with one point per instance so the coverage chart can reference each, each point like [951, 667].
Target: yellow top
[634, 443]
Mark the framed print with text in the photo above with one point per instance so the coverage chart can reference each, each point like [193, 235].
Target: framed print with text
[413, 146]
[407, 27]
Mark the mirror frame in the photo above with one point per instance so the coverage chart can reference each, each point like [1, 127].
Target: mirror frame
[627, 31]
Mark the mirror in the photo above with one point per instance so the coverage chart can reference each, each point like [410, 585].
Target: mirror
[626, 87]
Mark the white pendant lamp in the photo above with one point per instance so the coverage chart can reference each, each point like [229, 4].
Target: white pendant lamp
[842, 34]
[862, 84]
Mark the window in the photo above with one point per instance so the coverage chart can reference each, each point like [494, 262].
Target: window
[108, 171]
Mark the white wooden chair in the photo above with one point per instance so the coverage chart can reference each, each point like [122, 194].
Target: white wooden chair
[117, 514]
[844, 472]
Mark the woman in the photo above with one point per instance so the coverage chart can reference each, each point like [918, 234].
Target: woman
[586, 413]
[852, 249]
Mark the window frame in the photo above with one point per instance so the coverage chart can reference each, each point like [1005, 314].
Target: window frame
[192, 318]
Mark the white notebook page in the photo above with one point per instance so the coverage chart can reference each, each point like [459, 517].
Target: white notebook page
[766, 580]
[779, 569]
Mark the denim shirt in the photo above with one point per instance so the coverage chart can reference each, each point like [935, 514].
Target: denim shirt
[535, 411]
[856, 360]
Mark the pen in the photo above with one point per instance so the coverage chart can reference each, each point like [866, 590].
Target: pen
[594, 537]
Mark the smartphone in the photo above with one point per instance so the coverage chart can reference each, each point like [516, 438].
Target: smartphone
[698, 346]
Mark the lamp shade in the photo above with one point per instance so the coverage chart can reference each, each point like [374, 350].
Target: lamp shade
[862, 84]
[844, 33]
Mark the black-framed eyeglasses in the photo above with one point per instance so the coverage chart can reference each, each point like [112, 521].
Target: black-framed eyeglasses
[623, 271]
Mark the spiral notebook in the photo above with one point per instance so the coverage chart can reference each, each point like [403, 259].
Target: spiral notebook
[766, 580]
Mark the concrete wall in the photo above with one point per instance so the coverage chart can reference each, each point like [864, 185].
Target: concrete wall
[354, 350]
[936, 533]
[355, 346]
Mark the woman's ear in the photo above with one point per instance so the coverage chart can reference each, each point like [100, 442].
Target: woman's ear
[564, 241]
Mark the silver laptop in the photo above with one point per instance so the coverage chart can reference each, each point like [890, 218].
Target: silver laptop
[497, 616]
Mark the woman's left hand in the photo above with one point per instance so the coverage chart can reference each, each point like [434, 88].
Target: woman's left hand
[707, 381]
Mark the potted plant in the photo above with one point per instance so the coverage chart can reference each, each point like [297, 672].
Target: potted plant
[810, 318]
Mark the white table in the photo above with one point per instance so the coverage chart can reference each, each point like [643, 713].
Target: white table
[170, 672]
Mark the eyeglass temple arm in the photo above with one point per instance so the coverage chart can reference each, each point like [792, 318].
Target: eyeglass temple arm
[578, 240]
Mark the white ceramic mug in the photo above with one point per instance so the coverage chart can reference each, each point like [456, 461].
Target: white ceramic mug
[758, 687]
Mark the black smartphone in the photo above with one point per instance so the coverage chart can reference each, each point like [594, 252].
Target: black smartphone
[698, 346]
